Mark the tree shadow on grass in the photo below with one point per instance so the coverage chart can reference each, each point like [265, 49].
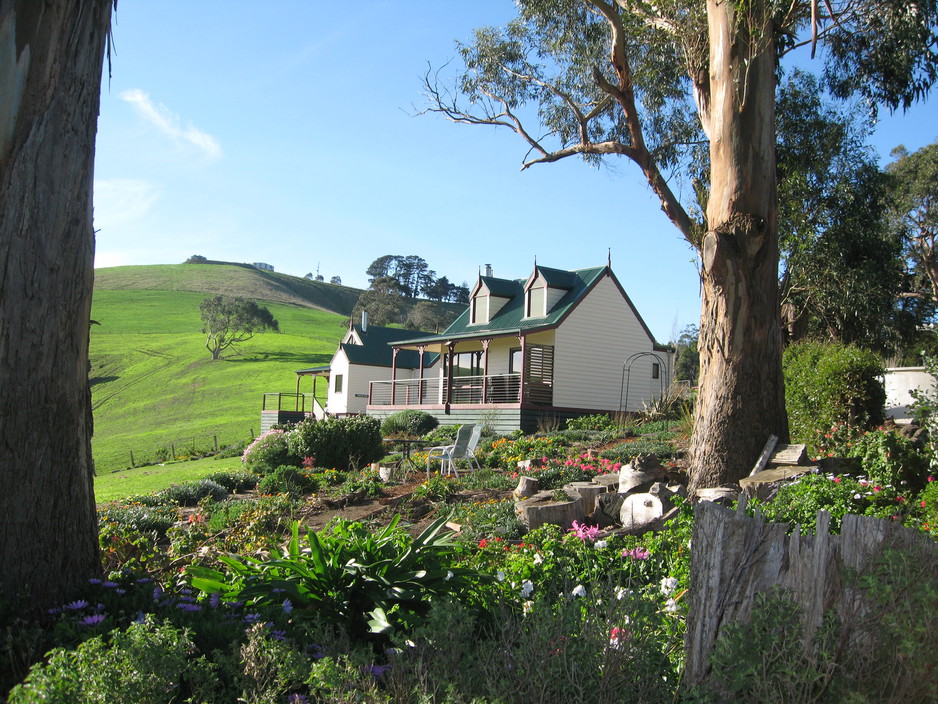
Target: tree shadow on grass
[300, 359]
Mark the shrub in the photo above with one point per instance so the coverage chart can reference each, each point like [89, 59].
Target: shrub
[408, 422]
[828, 384]
[360, 580]
[267, 451]
[190, 493]
[627, 451]
[143, 519]
[287, 480]
[339, 443]
[234, 481]
[146, 663]
[599, 421]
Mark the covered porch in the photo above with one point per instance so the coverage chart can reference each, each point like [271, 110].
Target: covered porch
[510, 371]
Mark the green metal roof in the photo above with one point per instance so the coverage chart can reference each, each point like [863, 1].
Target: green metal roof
[510, 319]
[375, 350]
[503, 288]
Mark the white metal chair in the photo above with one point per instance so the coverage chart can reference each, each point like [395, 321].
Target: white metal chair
[448, 454]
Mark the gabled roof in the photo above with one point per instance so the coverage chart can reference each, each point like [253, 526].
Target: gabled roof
[503, 288]
[375, 350]
[510, 320]
[555, 278]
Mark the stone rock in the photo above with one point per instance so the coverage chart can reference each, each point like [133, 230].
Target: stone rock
[723, 495]
[607, 510]
[610, 482]
[765, 484]
[641, 473]
[639, 510]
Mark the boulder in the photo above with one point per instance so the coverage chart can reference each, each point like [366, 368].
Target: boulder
[639, 510]
[765, 484]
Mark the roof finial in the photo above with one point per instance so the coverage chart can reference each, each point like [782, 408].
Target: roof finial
[609, 258]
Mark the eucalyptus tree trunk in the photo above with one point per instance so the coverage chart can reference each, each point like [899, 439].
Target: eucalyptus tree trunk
[51, 55]
[741, 397]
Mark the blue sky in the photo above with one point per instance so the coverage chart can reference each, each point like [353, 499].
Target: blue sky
[285, 132]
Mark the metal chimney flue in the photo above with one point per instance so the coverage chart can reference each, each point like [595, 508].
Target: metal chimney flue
[364, 321]
[488, 270]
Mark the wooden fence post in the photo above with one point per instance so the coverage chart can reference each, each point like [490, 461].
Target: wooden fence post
[736, 557]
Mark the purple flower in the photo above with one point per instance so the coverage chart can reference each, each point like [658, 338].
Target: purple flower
[278, 635]
[214, 600]
[110, 585]
[93, 580]
[93, 620]
[287, 606]
[144, 580]
[188, 607]
[76, 605]
[252, 618]
[376, 671]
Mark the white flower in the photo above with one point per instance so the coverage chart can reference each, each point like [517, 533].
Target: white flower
[449, 575]
[537, 558]
[578, 590]
[670, 606]
[668, 585]
[856, 496]
[622, 592]
[527, 588]
[527, 606]
[500, 576]
[600, 544]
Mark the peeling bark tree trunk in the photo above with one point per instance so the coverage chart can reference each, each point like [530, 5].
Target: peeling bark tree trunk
[741, 399]
[51, 55]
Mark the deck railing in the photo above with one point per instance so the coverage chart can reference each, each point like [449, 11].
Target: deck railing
[296, 403]
[493, 388]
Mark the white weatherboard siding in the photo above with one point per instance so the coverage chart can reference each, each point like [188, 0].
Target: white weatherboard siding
[338, 402]
[592, 345]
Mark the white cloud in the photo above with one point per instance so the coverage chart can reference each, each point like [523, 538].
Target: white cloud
[170, 124]
[119, 201]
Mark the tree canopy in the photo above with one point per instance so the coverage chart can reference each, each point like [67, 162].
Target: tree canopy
[230, 320]
[662, 84]
[914, 212]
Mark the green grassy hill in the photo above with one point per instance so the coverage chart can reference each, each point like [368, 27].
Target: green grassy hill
[155, 386]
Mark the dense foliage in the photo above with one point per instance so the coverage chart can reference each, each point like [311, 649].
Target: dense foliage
[828, 384]
[340, 443]
[409, 422]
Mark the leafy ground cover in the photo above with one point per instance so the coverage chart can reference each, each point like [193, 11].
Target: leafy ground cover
[351, 589]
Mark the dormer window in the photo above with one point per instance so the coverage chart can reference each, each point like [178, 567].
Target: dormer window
[479, 309]
[535, 303]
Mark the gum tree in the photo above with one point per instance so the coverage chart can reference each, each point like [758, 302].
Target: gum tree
[51, 56]
[689, 87]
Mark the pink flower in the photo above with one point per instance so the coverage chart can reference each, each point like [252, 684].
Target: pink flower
[638, 553]
[877, 488]
[922, 504]
[584, 532]
[837, 480]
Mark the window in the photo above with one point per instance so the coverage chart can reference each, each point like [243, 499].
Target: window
[535, 302]
[514, 360]
[467, 364]
[338, 383]
[655, 370]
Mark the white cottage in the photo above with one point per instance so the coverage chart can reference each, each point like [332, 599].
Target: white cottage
[558, 344]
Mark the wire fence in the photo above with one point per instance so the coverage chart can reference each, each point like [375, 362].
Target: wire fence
[178, 449]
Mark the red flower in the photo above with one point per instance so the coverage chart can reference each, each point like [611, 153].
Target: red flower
[923, 504]
[877, 488]
[900, 499]
[837, 479]
[483, 543]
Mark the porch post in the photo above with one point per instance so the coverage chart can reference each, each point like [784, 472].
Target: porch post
[448, 397]
[524, 363]
[312, 405]
[485, 371]
[420, 349]
[296, 398]
[393, 373]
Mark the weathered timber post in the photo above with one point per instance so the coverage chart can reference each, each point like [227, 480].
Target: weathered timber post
[736, 557]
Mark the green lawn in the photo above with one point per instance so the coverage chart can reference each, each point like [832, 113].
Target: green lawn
[145, 480]
[155, 386]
